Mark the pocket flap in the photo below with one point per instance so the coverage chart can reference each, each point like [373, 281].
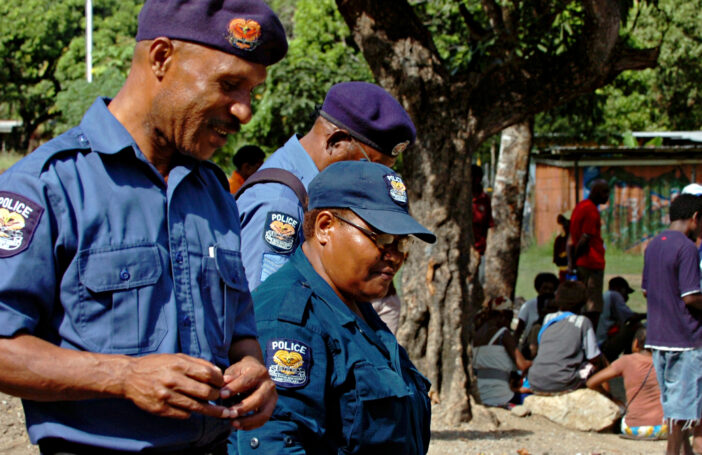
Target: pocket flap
[103, 270]
[377, 383]
[231, 269]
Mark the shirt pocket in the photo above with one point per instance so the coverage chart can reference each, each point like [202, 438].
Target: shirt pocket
[224, 288]
[119, 309]
[381, 417]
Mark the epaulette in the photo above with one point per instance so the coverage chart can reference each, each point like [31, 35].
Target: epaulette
[68, 142]
[294, 304]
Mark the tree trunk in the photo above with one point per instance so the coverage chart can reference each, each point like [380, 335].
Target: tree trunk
[454, 113]
[508, 197]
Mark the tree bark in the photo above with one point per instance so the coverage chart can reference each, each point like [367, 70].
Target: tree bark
[453, 114]
[508, 197]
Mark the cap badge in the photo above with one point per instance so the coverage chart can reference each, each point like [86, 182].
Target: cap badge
[399, 148]
[396, 188]
[244, 33]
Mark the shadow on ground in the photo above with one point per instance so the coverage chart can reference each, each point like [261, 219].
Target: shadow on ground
[453, 435]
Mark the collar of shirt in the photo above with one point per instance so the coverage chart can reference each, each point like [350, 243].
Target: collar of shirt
[295, 159]
[106, 135]
[341, 311]
[104, 132]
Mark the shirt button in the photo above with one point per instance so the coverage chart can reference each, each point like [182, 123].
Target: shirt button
[288, 441]
[124, 275]
[254, 443]
[82, 139]
[179, 257]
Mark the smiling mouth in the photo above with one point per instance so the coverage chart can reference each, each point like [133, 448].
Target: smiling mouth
[220, 131]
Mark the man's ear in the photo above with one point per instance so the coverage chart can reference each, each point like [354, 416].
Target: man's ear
[335, 139]
[323, 226]
[161, 56]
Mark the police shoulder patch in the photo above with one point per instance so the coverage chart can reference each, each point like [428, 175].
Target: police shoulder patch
[281, 231]
[19, 218]
[288, 362]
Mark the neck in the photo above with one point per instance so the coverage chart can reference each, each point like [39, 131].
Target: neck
[313, 253]
[131, 108]
[680, 226]
[314, 145]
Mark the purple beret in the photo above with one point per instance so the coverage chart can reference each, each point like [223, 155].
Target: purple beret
[248, 29]
[371, 115]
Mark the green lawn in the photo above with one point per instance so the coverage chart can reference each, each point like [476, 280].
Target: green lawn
[537, 259]
[7, 159]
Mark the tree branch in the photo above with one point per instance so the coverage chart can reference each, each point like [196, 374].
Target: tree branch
[494, 13]
[477, 31]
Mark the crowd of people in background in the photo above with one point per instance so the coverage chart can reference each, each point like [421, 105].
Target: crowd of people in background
[573, 335]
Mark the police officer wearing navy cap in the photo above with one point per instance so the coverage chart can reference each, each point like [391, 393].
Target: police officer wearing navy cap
[358, 120]
[125, 316]
[344, 383]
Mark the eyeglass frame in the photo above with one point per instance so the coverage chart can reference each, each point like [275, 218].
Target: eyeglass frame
[375, 237]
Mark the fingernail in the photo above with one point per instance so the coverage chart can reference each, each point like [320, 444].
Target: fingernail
[226, 413]
[225, 393]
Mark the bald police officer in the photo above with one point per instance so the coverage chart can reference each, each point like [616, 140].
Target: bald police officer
[358, 120]
[125, 317]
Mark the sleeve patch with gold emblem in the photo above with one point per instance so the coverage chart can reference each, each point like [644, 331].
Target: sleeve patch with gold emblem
[288, 362]
[280, 231]
[19, 218]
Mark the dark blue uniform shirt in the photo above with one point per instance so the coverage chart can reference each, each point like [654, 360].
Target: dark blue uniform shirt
[344, 385]
[265, 249]
[100, 254]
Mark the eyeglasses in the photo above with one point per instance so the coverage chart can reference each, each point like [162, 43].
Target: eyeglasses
[382, 240]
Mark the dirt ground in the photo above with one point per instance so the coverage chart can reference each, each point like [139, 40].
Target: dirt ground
[493, 431]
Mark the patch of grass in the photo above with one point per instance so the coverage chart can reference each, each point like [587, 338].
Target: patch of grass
[7, 159]
[538, 258]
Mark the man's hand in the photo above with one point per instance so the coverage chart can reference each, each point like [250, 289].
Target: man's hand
[248, 378]
[174, 385]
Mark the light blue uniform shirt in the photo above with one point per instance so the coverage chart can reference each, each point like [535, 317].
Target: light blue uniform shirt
[264, 248]
[111, 259]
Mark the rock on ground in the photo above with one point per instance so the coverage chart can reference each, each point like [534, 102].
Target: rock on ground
[583, 409]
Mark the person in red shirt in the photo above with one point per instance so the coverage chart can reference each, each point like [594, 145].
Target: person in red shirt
[586, 252]
[247, 160]
[482, 210]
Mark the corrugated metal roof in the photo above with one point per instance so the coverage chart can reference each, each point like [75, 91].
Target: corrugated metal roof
[695, 136]
[6, 126]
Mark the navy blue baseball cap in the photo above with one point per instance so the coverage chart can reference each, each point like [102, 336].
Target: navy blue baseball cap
[248, 29]
[372, 191]
[371, 115]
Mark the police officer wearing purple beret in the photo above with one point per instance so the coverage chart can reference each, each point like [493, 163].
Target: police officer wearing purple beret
[358, 120]
[126, 324]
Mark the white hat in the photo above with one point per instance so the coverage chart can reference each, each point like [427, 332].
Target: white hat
[693, 188]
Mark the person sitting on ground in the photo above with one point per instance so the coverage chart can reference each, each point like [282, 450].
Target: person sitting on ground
[644, 414]
[618, 323]
[247, 160]
[568, 352]
[496, 357]
[547, 305]
[545, 284]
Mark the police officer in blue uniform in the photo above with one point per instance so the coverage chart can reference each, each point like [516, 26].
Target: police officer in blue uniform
[344, 383]
[357, 120]
[125, 316]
